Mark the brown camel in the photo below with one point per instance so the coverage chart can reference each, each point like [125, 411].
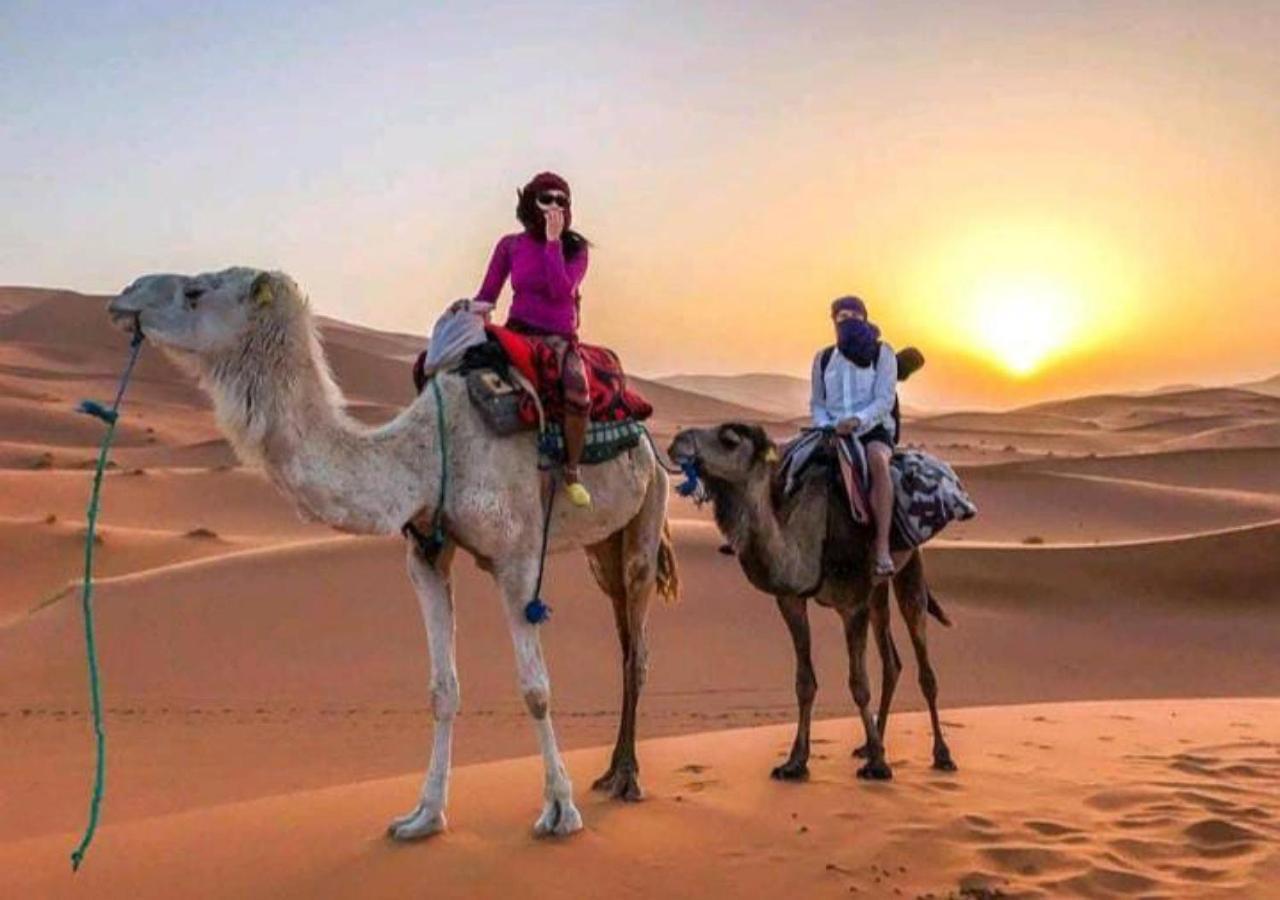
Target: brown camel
[806, 546]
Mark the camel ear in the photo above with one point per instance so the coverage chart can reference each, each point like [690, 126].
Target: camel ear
[261, 291]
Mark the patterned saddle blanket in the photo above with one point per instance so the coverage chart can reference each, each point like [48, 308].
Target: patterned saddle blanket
[501, 371]
[927, 493]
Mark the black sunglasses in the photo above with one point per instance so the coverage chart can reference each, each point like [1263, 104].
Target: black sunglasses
[559, 200]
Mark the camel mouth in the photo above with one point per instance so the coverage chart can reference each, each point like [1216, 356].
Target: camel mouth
[127, 320]
[684, 450]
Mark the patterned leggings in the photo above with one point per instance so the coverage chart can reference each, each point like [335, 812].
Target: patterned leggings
[573, 372]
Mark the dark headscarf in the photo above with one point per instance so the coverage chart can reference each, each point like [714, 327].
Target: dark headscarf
[857, 339]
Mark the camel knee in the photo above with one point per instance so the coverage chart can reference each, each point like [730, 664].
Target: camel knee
[806, 687]
[638, 660]
[639, 576]
[537, 698]
[538, 702]
[928, 683]
[861, 691]
[446, 699]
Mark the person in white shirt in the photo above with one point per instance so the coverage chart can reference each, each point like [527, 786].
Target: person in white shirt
[854, 391]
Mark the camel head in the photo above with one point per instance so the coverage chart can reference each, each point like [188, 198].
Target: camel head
[250, 339]
[733, 453]
[202, 315]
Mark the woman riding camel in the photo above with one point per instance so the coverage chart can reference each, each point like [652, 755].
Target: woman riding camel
[547, 262]
[854, 391]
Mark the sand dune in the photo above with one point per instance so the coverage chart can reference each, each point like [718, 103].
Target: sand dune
[232, 502]
[1266, 386]
[1121, 498]
[48, 553]
[1054, 800]
[307, 663]
[781, 396]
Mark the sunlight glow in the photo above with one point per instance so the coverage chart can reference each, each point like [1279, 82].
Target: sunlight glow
[1021, 322]
[1022, 297]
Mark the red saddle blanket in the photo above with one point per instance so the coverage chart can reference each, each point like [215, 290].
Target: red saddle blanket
[612, 398]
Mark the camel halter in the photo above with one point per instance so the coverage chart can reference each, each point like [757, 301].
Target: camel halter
[109, 415]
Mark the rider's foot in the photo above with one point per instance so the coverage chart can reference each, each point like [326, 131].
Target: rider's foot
[578, 495]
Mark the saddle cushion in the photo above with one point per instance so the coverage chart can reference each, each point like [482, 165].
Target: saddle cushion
[927, 493]
[612, 398]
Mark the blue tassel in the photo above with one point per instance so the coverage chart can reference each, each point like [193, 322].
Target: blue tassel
[691, 483]
[97, 410]
[536, 612]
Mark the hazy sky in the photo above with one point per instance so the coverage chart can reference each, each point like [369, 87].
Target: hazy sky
[1046, 196]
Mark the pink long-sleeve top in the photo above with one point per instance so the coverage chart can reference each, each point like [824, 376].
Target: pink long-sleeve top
[544, 285]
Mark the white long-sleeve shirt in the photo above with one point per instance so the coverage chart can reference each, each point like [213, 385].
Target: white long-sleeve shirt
[846, 390]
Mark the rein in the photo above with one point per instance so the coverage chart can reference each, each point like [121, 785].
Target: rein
[108, 415]
[431, 544]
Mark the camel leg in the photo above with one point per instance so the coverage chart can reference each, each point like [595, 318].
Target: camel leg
[855, 632]
[795, 611]
[606, 565]
[913, 600]
[435, 595]
[626, 567]
[890, 662]
[559, 815]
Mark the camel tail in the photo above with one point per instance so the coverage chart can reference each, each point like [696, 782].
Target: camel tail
[935, 608]
[668, 570]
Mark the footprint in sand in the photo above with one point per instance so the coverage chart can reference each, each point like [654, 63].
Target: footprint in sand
[1102, 881]
[693, 768]
[698, 787]
[1146, 851]
[1218, 834]
[1030, 860]
[1194, 873]
[1050, 829]
[1125, 798]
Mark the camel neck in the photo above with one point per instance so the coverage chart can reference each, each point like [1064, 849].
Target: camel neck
[289, 417]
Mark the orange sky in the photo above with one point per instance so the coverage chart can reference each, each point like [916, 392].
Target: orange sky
[1085, 192]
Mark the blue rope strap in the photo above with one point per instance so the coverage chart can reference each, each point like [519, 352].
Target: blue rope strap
[110, 416]
[537, 611]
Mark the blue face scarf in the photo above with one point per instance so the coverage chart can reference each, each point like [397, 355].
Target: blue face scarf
[859, 341]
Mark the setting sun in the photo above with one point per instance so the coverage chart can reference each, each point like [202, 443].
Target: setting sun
[1022, 322]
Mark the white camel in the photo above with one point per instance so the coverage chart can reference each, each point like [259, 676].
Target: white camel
[250, 338]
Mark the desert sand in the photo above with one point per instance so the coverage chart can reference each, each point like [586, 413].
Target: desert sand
[265, 678]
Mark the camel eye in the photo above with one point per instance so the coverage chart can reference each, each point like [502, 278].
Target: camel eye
[730, 438]
[192, 295]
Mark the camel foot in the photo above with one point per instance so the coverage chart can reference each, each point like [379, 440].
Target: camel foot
[559, 818]
[622, 783]
[605, 781]
[877, 770]
[942, 760]
[790, 771]
[421, 823]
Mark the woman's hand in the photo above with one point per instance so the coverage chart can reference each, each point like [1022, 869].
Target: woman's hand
[555, 222]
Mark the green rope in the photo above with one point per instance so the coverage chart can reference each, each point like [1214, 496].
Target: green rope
[109, 416]
[437, 518]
